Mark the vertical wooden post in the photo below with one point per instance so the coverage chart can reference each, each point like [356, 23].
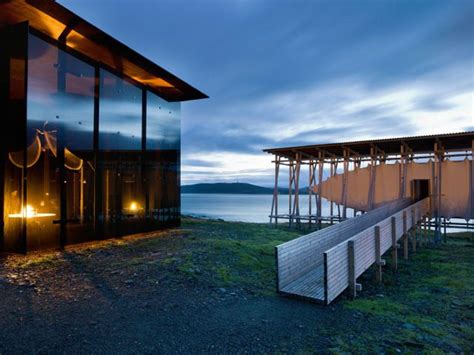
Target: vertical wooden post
[413, 230]
[405, 236]
[445, 234]
[378, 255]
[331, 207]
[394, 244]
[290, 186]
[310, 192]
[320, 187]
[425, 237]
[352, 277]
[296, 180]
[274, 212]
[344, 183]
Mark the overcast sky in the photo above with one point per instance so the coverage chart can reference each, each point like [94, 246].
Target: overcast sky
[282, 73]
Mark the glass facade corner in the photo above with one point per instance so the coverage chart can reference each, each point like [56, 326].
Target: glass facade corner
[101, 155]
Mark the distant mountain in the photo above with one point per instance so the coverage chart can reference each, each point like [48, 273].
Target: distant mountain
[232, 188]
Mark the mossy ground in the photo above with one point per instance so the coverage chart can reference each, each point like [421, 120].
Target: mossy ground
[217, 279]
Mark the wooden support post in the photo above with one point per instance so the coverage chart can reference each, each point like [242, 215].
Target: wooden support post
[425, 237]
[320, 187]
[310, 192]
[394, 244]
[352, 277]
[274, 212]
[378, 255]
[405, 236]
[344, 183]
[413, 230]
[296, 203]
[290, 187]
[331, 207]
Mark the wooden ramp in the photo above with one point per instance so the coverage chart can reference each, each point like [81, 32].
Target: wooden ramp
[321, 265]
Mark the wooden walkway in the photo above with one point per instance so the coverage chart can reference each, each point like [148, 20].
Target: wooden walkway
[321, 265]
[310, 285]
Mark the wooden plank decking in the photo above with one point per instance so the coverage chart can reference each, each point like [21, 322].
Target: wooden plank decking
[317, 266]
[310, 285]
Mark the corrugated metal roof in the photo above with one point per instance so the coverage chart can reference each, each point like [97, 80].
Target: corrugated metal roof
[418, 144]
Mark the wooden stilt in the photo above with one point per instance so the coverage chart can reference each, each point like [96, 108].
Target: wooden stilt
[378, 255]
[274, 211]
[344, 184]
[310, 192]
[331, 206]
[413, 232]
[290, 187]
[320, 187]
[394, 244]
[405, 236]
[425, 236]
[296, 202]
[352, 277]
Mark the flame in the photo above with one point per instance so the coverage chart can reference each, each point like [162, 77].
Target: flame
[133, 206]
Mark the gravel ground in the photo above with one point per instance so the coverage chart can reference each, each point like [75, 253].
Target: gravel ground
[164, 293]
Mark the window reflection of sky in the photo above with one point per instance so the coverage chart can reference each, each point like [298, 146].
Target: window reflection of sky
[60, 92]
[163, 123]
[120, 114]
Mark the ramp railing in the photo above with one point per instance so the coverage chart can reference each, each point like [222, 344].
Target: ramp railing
[350, 258]
[308, 266]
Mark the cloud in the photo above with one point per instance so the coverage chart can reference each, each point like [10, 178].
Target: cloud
[301, 72]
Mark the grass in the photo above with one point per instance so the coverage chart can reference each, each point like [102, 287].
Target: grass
[431, 297]
[427, 306]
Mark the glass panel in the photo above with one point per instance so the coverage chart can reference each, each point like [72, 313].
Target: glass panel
[163, 124]
[120, 143]
[162, 161]
[60, 108]
[120, 123]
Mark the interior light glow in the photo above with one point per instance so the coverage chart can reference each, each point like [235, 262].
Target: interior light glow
[30, 212]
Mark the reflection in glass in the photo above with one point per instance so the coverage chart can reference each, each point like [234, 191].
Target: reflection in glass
[120, 123]
[162, 161]
[60, 106]
[163, 124]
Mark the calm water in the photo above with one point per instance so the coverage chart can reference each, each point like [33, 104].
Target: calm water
[243, 208]
[248, 208]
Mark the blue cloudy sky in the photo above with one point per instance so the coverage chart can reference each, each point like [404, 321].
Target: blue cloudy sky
[291, 72]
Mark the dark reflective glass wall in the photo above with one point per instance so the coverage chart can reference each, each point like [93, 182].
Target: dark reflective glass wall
[120, 121]
[63, 181]
[60, 126]
[120, 145]
[162, 162]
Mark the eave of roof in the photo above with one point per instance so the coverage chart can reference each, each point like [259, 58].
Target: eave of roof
[417, 144]
[62, 25]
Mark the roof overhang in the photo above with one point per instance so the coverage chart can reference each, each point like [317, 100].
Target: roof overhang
[415, 144]
[58, 23]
